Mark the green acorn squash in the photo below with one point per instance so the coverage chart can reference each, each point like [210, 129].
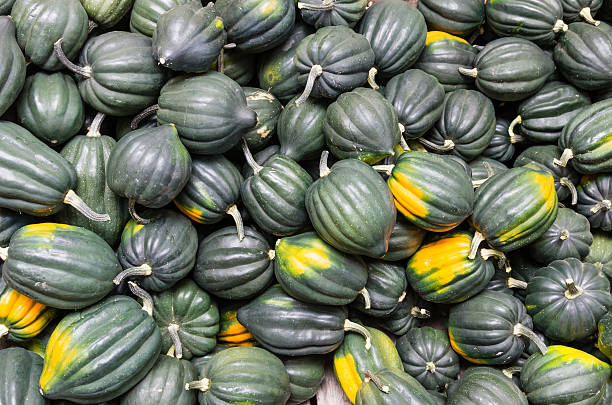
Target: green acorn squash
[146, 13]
[5, 6]
[12, 67]
[386, 289]
[604, 334]
[268, 110]
[600, 253]
[107, 13]
[10, 222]
[483, 168]
[485, 386]
[389, 387]
[594, 200]
[578, 10]
[300, 129]
[19, 377]
[501, 147]
[305, 376]
[321, 13]
[455, 17]
[407, 315]
[238, 66]
[404, 241]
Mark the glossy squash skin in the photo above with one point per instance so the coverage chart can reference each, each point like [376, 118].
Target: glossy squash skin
[564, 375]
[501, 147]
[146, 13]
[513, 208]
[361, 124]
[19, 377]
[12, 67]
[407, 315]
[340, 12]
[386, 287]
[209, 111]
[268, 110]
[600, 253]
[59, 265]
[594, 195]
[404, 241]
[455, 17]
[401, 387]
[352, 359]
[443, 55]
[239, 66]
[312, 271]
[305, 376]
[231, 332]
[126, 342]
[124, 91]
[441, 272]
[419, 181]
[485, 386]
[234, 269]
[40, 24]
[107, 13]
[396, 31]
[164, 384]
[256, 26]
[193, 312]
[354, 198]
[563, 312]
[10, 222]
[479, 171]
[573, 10]
[300, 129]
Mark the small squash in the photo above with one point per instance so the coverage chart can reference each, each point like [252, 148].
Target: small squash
[595, 200]
[578, 10]
[386, 289]
[268, 110]
[407, 315]
[501, 147]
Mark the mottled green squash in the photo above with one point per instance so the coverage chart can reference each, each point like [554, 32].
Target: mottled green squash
[305, 376]
[107, 13]
[12, 65]
[389, 387]
[146, 13]
[485, 386]
[300, 129]
[600, 252]
[268, 110]
[321, 13]
[19, 377]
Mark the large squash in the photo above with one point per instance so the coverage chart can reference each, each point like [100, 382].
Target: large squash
[456, 16]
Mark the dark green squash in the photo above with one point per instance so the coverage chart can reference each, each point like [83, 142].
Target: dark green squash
[501, 147]
[604, 337]
[510, 69]
[126, 343]
[578, 10]
[123, 125]
[524, 269]
[107, 13]
[239, 66]
[187, 318]
[485, 386]
[305, 376]
[10, 222]
[600, 252]
[261, 158]
[164, 384]
[286, 326]
[19, 377]
[256, 26]
[268, 110]
[5, 6]
[320, 13]
[568, 236]
[482, 168]
[361, 124]
[386, 288]
[41, 23]
[595, 200]
[567, 298]
[232, 268]
[404, 241]
[146, 13]
[59, 265]
[312, 271]
[407, 315]
[466, 126]
[300, 129]
[389, 387]
[351, 208]
[188, 37]
[455, 17]
[12, 65]
[209, 111]
[163, 251]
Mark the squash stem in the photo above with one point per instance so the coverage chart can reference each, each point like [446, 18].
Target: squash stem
[71, 198]
[490, 173]
[370, 376]
[315, 71]
[323, 169]
[233, 211]
[431, 367]
[420, 313]
[202, 385]
[132, 209]
[448, 145]
[221, 61]
[468, 72]
[350, 326]
[384, 169]
[477, 239]
[573, 291]
[325, 5]
[176, 341]
[586, 14]
[4, 253]
[231, 45]
[500, 256]
[94, 128]
[564, 181]
[92, 25]
[522, 330]
[271, 254]
[170, 352]
[559, 26]
[402, 297]
[510, 371]
[4, 330]
[565, 157]
[249, 157]
[59, 52]
[514, 283]
[514, 138]
[366, 297]
[147, 301]
[564, 234]
[604, 205]
[147, 112]
[142, 270]
[372, 78]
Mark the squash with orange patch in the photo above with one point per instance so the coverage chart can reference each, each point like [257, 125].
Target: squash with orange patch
[231, 332]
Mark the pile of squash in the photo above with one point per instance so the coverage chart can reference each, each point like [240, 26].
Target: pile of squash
[210, 203]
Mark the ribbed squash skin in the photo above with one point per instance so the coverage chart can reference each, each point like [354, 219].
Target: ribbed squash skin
[275, 196]
[209, 111]
[5, 6]
[386, 286]
[340, 12]
[352, 359]
[604, 337]
[300, 129]
[188, 37]
[600, 253]
[529, 19]
[146, 13]
[479, 170]
[40, 24]
[256, 25]
[239, 66]
[19, 377]
[396, 31]
[12, 66]
[361, 124]
[262, 157]
[305, 376]
[514, 207]
[500, 148]
[312, 271]
[485, 386]
[419, 182]
[50, 107]
[124, 91]
[589, 137]
[231, 332]
[234, 269]
[168, 244]
[24, 317]
[404, 241]
[345, 57]
[356, 200]
[107, 13]
[481, 329]
[62, 266]
[544, 114]
[567, 318]
[401, 387]
[572, 8]
[441, 272]
[235, 376]
[197, 316]
[568, 236]
[286, 326]
[511, 69]
[149, 165]
[126, 343]
[402, 319]
[213, 186]
[443, 55]
[468, 120]
[455, 17]
[164, 384]
[268, 109]
[564, 376]
[583, 56]
[422, 347]
[10, 222]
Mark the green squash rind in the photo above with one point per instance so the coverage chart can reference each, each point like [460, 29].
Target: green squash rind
[341, 12]
[19, 377]
[13, 66]
[10, 222]
[386, 286]
[305, 376]
[300, 129]
[146, 13]
[402, 387]
[404, 241]
[485, 386]
[600, 253]
[456, 17]
[107, 13]
[501, 147]
[268, 110]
